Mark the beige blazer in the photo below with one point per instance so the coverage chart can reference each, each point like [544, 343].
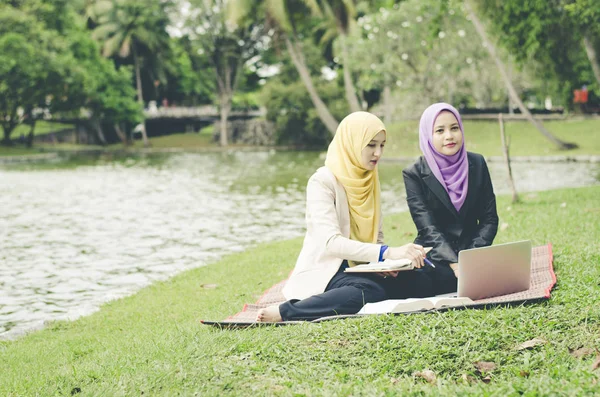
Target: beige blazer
[327, 242]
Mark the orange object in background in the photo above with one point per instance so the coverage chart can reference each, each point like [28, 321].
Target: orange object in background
[580, 96]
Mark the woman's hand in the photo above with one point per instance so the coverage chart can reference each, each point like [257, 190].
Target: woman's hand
[454, 267]
[388, 274]
[414, 252]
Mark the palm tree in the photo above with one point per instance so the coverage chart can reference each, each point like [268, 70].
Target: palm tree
[510, 87]
[131, 28]
[282, 14]
[338, 18]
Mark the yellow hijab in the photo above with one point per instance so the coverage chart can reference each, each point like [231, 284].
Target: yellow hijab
[362, 186]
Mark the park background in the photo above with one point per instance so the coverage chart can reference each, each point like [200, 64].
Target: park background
[143, 140]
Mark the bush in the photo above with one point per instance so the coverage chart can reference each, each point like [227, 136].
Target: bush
[292, 111]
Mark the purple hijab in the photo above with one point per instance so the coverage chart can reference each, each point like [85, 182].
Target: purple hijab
[451, 171]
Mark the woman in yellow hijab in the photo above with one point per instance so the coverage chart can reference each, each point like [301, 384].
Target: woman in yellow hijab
[343, 228]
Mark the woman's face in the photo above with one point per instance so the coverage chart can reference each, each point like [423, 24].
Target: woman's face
[373, 151]
[447, 137]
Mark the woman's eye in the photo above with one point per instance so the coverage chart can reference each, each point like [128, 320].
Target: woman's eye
[454, 128]
[439, 131]
[371, 145]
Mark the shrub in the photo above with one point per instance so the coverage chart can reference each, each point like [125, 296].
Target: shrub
[292, 111]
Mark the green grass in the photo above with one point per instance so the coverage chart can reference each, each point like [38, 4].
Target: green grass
[181, 140]
[152, 343]
[41, 128]
[189, 140]
[484, 137]
[17, 151]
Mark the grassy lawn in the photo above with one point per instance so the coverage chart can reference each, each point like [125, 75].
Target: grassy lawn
[152, 344]
[484, 137]
[181, 140]
[41, 128]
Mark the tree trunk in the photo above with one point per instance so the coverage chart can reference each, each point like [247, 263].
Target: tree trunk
[505, 152]
[591, 54]
[511, 89]
[298, 59]
[348, 84]
[225, 108]
[387, 105]
[8, 129]
[138, 83]
[121, 134]
[30, 136]
[78, 129]
[99, 132]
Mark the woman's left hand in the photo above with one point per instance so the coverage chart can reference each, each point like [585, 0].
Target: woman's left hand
[387, 274]
[454, 267]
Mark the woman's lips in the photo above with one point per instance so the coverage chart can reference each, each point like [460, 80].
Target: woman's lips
[451, 145]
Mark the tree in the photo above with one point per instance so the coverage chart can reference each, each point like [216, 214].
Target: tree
[424, 52]
[286, 16]
[53, 66]
[189, 75]
[561, 35]
[586, 15]
[339, 16]
[32, 58]
[105, 93]
[226, 46]
[132, 28]
[511, 89]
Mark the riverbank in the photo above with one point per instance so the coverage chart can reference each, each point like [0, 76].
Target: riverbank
[152, 342]
[481, 137]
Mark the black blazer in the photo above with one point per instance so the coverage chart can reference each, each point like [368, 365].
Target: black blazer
[438, 223]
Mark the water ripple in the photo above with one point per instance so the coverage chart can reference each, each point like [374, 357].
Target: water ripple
[76, 234]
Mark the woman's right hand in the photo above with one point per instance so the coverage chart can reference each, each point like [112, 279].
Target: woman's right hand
[414, 252]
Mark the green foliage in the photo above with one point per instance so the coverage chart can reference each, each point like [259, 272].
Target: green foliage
[52, 63]
[135, 31]
[31, 67]
[295, 118]
[586, 13]
[190, 80]
[101, 89]
[226, 45]
[425, 51]
[544, 30]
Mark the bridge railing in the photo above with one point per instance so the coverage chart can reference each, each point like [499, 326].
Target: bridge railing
[207, 111]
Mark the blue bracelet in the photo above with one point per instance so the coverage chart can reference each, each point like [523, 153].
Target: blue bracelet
[382, 251]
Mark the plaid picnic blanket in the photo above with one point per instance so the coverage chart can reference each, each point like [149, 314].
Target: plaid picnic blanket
[543, 280]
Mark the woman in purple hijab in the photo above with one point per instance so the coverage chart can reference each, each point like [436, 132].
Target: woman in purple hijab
[450, 195]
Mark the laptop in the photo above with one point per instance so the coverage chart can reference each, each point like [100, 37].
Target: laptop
[495, 270]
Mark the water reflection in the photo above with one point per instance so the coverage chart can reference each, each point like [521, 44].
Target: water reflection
[78, 232]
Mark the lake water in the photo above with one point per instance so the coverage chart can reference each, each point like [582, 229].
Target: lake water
[78, 232]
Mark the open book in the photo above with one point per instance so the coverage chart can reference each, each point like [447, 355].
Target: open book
[388, 265]
[413, 304]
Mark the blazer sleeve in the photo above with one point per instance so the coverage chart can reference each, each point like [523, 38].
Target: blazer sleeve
[324, 223]
[429, 234]
[488, 217]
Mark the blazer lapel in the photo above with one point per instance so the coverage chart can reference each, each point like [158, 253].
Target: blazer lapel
[470, 192]
[436, 187]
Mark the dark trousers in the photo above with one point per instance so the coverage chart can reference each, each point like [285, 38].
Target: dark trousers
[347, 293]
